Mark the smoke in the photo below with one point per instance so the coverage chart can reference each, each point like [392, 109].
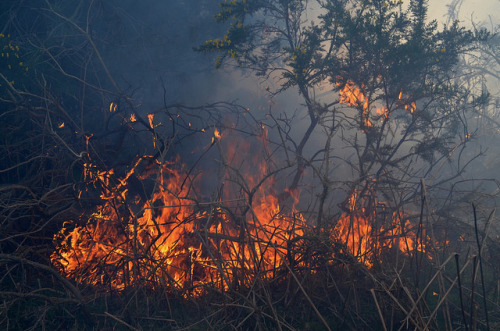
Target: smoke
[148, 48]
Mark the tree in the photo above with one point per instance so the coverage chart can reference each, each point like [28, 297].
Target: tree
[399, 111]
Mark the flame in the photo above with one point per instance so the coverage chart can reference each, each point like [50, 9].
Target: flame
[60, 126]
[411, 108]
[216, 136]
[165, 239]
[365, 236]
[383, 112]
[112, 107]
[151, 228]
[354, 97]
[150, 119]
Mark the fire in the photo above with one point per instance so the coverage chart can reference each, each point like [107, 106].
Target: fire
[150, 120]
[153, 228]
[166, 239]
[216, 136]
[411, 108]
[383, 112]
[355, 97]
[365, 232]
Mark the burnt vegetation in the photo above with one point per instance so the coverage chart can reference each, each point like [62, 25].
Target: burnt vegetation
[368, 206]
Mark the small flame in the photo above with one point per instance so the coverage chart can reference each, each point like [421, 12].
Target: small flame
[112, 107]
[133, 118]
[413, 107]
[60, 126]
[383, 112]
[354, 97]
[150, 119]
[217, 136]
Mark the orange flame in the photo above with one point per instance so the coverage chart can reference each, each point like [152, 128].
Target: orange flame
[364, 238]
[216, 136]
[166, 240]
[150, 230]
[150, 119]
[354, 97]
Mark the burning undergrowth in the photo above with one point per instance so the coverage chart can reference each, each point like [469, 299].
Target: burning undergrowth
[347, 213]
[154, 228]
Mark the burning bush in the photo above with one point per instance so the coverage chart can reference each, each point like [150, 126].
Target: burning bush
[167, 238]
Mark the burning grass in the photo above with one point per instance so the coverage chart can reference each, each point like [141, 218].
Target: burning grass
[168, 239]
[243, 258]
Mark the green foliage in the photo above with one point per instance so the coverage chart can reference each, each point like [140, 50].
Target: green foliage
[357, 40]
[13, 65]
[400, 62]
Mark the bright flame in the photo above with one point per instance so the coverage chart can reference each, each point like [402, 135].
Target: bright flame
[150, 119]
[365, 235]
[354, 97]
[151, 229]
[383, 112]
[165, 239]
[216, 136]
[112, 107]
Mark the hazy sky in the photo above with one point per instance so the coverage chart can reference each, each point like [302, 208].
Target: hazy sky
[478, 10]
